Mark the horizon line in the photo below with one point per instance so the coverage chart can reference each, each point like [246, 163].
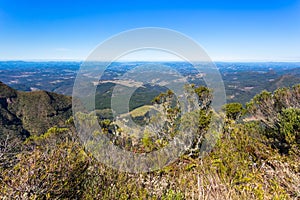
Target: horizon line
[182, 61]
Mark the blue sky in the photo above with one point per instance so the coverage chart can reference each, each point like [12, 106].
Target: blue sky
[229, 30]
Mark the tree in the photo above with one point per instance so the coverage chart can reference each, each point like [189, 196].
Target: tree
[266, 106]
[279, 113]
[290, 126]
[234, 110]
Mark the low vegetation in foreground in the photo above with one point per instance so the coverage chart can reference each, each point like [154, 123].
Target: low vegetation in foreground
[257, 156]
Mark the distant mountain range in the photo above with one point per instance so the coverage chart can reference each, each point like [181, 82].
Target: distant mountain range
[29, 109]
[31, 113]
[242, 80]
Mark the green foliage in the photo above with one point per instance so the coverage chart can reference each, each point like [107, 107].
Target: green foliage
[204, 96]
[234, 110]
[53, 134]
[7, 92]
[141, 96]
[290, 126]
[70, 121]
[53, 169]
[242, 159]
[41, 110]
[172, 195]
[279, 113]
[32, 113]
[147, 142]
[105, 125]
[242, 165]
[204, 119]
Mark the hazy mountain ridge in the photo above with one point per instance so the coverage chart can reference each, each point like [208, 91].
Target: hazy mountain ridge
[242, 81]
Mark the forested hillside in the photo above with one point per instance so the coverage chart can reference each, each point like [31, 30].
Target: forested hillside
[31, 113]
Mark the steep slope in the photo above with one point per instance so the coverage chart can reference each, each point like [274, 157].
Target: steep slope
[31, 113]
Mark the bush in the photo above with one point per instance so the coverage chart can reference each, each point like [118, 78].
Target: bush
[49, 170]
[290, 126]
[234, 110]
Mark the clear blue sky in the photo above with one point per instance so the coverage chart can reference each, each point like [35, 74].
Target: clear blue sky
[241, 30]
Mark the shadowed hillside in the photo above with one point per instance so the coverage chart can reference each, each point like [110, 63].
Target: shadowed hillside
[31, 113]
